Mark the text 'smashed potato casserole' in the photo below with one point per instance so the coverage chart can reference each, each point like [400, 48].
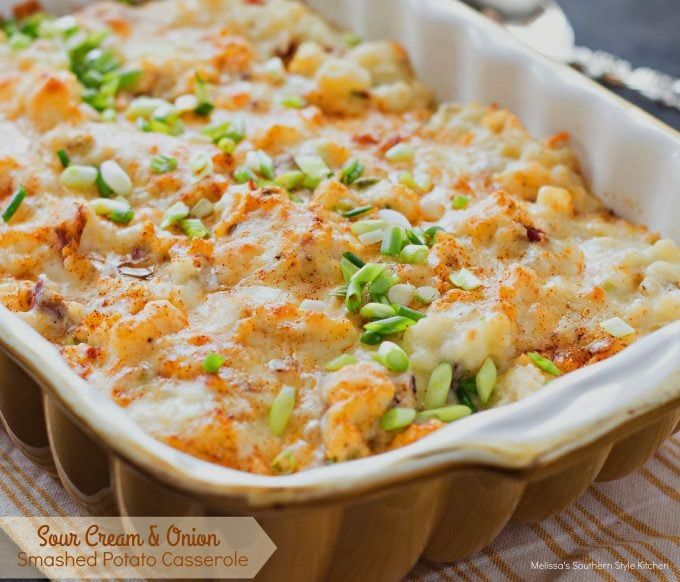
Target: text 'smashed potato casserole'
[181, 184]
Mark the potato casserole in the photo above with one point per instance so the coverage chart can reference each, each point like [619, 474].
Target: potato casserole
[256, 234]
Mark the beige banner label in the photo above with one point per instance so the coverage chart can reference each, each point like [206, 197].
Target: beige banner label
[141, 547]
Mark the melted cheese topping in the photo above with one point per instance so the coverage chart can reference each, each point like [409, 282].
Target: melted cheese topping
[135, 308]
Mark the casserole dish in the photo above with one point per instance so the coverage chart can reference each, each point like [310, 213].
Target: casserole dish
[527, 460]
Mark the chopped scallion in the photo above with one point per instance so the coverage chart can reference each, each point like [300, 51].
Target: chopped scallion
[388, 326]
[544, 364]
[397, 418]
[460, 202]
[212, 363]
[400, 153]
[205, 105]
[174, 214]
[290, 180]
[340, 362]
[14, 203]
[293, 101]
[352, 171]
[193, 228]
[281, 410]
[408, 312]
[465, 279]
[377, 311]
[352, 258]
[162, 164]
[438, 386]
[426, 294]
[445, 413]
[78, 176]
[393, 357]
[315, 170]
[617, 327]
[413, 254]
[393, 241]
[486, 380]
[357, 211]
[260, 162]
[64, 158]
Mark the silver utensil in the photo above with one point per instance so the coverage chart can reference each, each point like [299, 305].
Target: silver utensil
[543, 25]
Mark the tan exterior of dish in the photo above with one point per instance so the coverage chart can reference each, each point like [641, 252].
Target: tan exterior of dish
[444, 516]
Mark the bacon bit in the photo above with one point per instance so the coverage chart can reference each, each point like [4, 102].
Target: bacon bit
[286, 54]
[557, 139]
[390, 143]
[26, 8]
[365, 139]
[535, 234]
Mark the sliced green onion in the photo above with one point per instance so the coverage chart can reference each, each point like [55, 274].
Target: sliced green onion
[352, 171]
[460, 202]
[193, 228]
[340, 291]
[366, 182]
[340, 362]
[108, 115]
[227, 145]
[162, 164]
[392, 241]
[397, 418]
[431, 234]
[244, 174]
[377, 311]
[115, 210]
[122, 216]
[544, 364]
[393, 357]
[78, 176]
[445, 413]
[438, 386]
[465, 398]
[372, 237]
[144, 107]
[352, 39]
[348, 269]
[352, 258]
[102, 186]
[617, 327]
[388, 326]
[202, 208]
[201, 164]
[293, 101]
[382, 284]
[416, 236]
[284, 463]
[315, 170]
[363, 226]
[64, 158]
[19, 41]
[401, 293]
[370, 338]
[408, 312]
[212, 363]
[357, 211]
[353, 297]
[281, 409]
[174, 214]
[400, 153]
[485, 380]
[116, 178]
[260, 162]
[14, 203]
[368, 273]
[465, 279]
[426, 294]
[290, 180]
[413, 254]
[205, 105]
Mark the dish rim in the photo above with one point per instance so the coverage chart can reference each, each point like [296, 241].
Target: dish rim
[119, 434]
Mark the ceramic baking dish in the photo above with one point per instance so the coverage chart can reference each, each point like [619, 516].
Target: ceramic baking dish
[447, 495]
